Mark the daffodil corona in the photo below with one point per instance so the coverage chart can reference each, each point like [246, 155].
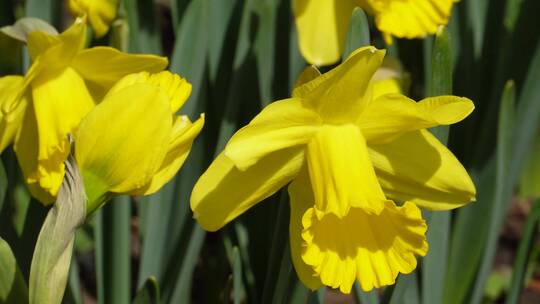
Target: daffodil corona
[322, 24]
[349, 152]
[63, 84]
[133, 142]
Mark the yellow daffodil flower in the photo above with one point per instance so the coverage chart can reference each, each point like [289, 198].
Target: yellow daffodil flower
[347, 154]
[101, 13]
[133, 142]
[60, 88]
[322, 25]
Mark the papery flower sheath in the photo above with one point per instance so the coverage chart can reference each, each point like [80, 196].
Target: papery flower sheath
[101, 13]
[133, 142]
[62, 85]
[322, 25]
[349, 156]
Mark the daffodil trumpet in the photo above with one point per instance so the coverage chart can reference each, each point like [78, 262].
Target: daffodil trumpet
[358, 161]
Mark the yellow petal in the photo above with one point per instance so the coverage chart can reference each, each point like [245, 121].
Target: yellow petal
[282, 124]
[373, 249]
[101, 13]
[308, 74]
[58, 50]
[302, 199]
[392, 115]
[26, 150]
[60, 101]
[104, 66]
[122, 142]
[182, 137]
[341, 172]
[10, 122]
[341, 94]
[410, 18]
[322, 27]
[416, 167]
[223, 192]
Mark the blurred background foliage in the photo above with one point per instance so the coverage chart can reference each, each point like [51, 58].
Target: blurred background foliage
[242, 54]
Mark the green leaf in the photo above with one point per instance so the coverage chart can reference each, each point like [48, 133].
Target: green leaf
[182, 289]
[52, 255]
[523, 254]
[238, 289]
[363, 297]
[48, 10]
[358, 34]
[434, 263]
[113, 255]
[220, 15]
[12, 285]
[265, 42]
[148, 293]
[144, 31]
[272, 291]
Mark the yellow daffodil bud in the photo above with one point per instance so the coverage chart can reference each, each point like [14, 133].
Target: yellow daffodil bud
[101, 13]
[62, 85]
[133, 142]
[349, 145]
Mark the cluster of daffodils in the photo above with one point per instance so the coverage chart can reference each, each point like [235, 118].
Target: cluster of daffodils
[359, 163]
[354, 152]
[120, 110]
[322, 25]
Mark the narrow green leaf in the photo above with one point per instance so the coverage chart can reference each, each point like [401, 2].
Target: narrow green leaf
[476, 17]
[265, 50]
[182, 290]
[277, 251]
[73, 293]
[523, 254]
[363, 297]
[466, 248]
[148, 293]
[238, 289]
[52, 255]
[220, 14]
[144, 31]
[157, 209]
[12, 285]
[358, 34]
[113, 235]
[48, 10]
[400, 292]
[434, 263]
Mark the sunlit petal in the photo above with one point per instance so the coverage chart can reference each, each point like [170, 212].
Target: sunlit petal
[223, 192]
[282, 124]
[416, 167]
